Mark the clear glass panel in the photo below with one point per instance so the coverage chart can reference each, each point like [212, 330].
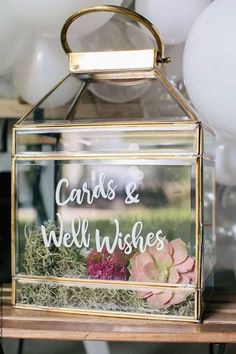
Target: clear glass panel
[207, 292]
[209, 237]
[209, 143]
[148, 301]
[99, 102]
[125, 220]
[112, 140]
[209, 252]
[208, 192]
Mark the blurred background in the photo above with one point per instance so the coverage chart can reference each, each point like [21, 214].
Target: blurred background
[199, 36]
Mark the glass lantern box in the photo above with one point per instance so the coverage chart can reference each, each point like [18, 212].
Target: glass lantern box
[113, 202]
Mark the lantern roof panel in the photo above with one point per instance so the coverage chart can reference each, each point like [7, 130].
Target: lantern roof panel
[78, 102]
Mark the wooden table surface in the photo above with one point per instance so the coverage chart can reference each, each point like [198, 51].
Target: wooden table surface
[219, 325]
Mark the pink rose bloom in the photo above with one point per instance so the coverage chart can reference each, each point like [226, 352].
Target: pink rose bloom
[171, 265]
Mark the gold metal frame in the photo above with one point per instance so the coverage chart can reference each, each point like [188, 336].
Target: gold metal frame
[101, 284]
[198, 270]
[198, 237]
[142, 70]
[140, 62]
[132, 64]
[129, 315]
[117, 10]
[100, 312]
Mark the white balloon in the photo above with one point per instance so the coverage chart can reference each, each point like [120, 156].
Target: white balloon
[119, 94]
[174, 69]
[120, 34]
[48, 16]
[39, 69]
[117, 35]
[11, 36]
[225, 160]
[209, 65]
[173, 18]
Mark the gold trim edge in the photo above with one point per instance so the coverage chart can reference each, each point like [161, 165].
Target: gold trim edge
[102, 283]
[124, 315]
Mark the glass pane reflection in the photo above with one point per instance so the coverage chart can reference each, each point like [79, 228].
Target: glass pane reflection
[106, 220]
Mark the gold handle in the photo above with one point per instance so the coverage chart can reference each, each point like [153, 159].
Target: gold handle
[118, 10]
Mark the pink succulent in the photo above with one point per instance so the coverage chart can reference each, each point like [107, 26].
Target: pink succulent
[172, 265]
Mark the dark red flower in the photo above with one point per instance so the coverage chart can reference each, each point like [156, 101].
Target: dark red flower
[106, 266]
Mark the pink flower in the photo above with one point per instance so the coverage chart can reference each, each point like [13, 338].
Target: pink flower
[102, 265]
[171, 265]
